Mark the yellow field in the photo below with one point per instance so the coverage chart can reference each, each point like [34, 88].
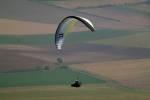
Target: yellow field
[132, 73]
[16, 27]
[86, 92]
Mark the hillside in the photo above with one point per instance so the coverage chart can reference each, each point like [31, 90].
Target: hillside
[25, 10]
[74, 4]
[131, 73]
[118, 50]
[18, 27]
[140, 40]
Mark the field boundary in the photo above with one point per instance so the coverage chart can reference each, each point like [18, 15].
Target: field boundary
[102, 78]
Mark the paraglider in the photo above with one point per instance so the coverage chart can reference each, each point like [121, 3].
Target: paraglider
[66, 25]
[77, 83]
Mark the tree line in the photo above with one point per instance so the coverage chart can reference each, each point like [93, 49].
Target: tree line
[59, 64]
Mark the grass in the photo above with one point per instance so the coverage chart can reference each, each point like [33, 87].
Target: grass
[135, 40]
[71, 37]
[26, 39]
[41, 78]
[86, 92]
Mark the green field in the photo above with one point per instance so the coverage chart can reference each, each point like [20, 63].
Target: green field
[71, 37]
[104, 91]
[26, 39]
[55, 85]
[135, 40]
[41, 78]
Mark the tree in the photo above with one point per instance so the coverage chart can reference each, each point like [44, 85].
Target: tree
[47, 68]
[59, 60]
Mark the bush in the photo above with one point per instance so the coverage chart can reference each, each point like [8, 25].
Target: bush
[63, 67]
[47, 68]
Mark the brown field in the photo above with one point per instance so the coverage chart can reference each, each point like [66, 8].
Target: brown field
[12, 57]
[125, 17]
[141, 7]
[127, 65]
[71, 54]
[132, 73]
[26, 17]
[17, 27]
[12, 61]
[90, 3]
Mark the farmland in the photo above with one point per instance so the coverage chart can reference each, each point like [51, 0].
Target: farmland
[112, 62]
[40, 49]
[59, 92]
[134, 40]
[120, 15]
[42, 78]
[132, 73]
[16, 27]
[71, 38]
[72, 4]
[24, 87]
[142, 9]
[44, 16]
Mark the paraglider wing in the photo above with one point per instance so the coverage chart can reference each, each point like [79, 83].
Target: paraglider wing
[66, 25]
